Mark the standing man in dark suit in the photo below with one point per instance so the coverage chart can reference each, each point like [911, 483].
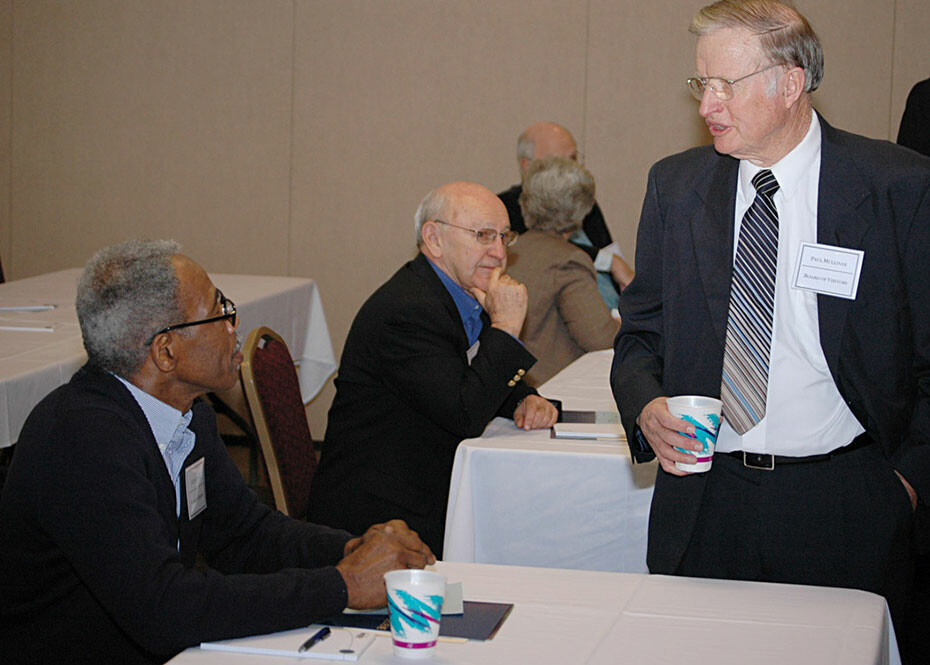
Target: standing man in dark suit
[430, 359]
[783, 270]
[547, 139]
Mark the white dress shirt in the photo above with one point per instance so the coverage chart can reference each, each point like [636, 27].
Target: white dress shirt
[805, 413]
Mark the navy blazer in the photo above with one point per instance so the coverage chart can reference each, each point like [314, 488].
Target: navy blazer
[873, 196]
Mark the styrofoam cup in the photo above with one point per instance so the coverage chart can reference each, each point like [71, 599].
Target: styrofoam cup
[415, 607]
[704, 414]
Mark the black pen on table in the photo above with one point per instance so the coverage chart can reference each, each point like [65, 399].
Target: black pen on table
[317, 637]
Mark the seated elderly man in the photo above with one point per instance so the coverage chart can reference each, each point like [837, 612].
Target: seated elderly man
[566, 316]
[430, 359]
[120, 482]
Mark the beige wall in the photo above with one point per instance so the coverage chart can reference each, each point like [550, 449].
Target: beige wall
[297, 136]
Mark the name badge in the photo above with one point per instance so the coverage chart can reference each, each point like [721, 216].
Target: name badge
[830, 270]
[196, 489]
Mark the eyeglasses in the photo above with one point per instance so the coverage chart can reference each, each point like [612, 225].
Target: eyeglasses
[487, 236]
[721, 87]
[229, 312]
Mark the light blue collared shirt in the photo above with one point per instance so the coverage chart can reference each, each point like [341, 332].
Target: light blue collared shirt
[170, 428]
[468, 307]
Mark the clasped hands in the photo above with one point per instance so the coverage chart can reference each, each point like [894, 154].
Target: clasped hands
[383, 548]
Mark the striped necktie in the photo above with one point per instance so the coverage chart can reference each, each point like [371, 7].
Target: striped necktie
[752, 305]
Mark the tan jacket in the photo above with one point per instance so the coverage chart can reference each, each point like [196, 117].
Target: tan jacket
[566, 317]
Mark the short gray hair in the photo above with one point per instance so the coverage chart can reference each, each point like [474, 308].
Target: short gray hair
[557, 194]
[126, 293]
[431, 207]
[784, 33]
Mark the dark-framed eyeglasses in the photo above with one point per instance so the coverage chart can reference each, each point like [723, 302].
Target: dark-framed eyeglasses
[721, 87]
[487, 236]
[229, 312]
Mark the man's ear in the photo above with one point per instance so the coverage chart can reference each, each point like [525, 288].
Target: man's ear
[163, 352]
[794, 80]
[432, 238]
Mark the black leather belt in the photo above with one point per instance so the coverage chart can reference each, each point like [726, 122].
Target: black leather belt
[769, 462]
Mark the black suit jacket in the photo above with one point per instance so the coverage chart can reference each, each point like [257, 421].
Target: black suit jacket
[405, 397]
[90, 567]
[873, 196]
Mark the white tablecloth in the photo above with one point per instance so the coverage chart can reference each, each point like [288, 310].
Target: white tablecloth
[32, 364]
[524, 498]
[569, 616]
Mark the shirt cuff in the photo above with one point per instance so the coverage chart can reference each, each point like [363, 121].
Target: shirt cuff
[605, 257]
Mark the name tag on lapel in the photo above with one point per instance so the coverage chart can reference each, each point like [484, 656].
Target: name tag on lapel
[196, 489]
[830, 270]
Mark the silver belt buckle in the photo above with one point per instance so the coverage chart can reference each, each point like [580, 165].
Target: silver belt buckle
[758, 461]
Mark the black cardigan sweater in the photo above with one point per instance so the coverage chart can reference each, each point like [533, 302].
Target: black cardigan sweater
[90, 569]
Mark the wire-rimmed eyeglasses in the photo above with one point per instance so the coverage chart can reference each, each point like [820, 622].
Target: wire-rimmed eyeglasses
[487, 236]
[721, 87]
[229, 312]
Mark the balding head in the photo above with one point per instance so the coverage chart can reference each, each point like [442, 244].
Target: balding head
[457, 251]
[544, 139]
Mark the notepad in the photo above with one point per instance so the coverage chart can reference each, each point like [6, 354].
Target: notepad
[346, 644]
[589, 425]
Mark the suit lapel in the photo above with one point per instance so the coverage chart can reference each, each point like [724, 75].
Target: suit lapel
[712, 237]
[841, 194]
[425, 272]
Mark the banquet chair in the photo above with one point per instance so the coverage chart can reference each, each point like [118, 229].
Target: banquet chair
[272, 393]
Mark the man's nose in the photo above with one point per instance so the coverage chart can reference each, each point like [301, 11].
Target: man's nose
[710, 103]
[496, 249]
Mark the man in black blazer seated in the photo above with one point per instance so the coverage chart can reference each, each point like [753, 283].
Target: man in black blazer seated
[120, 482]
[430, 359]
[821, 484]
[547, 139]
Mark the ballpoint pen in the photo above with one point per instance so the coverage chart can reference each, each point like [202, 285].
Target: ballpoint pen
[318, 636]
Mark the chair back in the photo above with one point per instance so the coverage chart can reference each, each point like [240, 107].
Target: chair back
[272, 393]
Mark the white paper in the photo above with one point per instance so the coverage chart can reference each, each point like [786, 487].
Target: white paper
[608, 431]
[196, 489]
[26, 308]
[346, 644]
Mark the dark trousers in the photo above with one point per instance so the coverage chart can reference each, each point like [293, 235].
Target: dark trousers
[845, 522]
